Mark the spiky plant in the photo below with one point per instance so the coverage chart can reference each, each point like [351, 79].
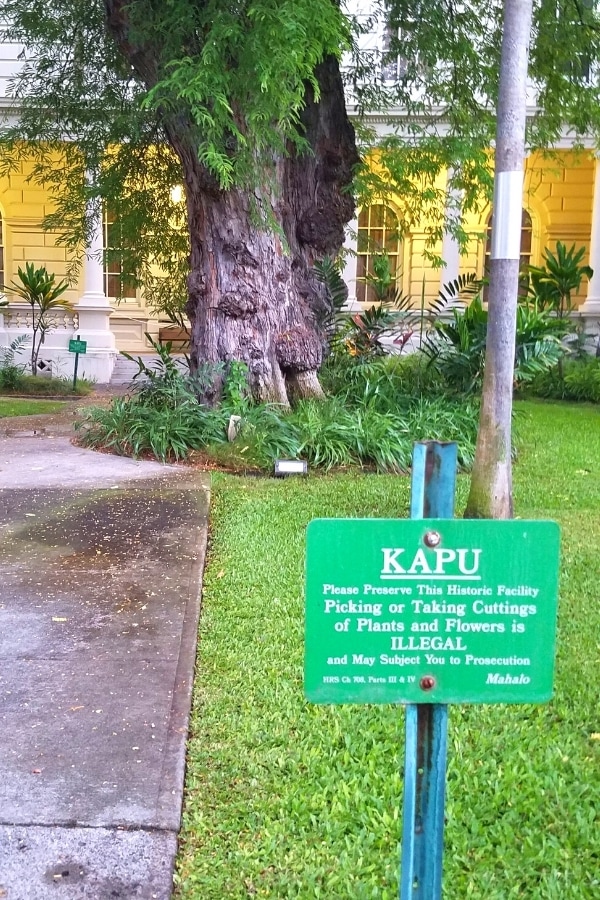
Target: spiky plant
[39, 288]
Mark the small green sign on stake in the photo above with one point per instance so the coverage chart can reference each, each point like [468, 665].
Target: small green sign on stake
[430, 611]
[77, 346]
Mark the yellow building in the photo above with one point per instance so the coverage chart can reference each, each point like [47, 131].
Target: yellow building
[559, 201]
[107, 312]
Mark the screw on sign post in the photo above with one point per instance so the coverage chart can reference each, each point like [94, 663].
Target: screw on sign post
[432, 497]
[425, 612]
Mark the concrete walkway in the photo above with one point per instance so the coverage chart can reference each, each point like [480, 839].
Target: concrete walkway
[100, 570]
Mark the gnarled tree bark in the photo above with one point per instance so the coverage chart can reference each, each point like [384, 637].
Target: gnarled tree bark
[253, 294]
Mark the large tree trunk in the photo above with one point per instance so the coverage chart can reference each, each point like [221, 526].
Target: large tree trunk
[242, 303]
[253, 294]
[490, 495]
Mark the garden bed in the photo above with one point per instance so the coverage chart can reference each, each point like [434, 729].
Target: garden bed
[289, 800]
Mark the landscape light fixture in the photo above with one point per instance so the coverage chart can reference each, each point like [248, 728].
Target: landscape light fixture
[285, 467]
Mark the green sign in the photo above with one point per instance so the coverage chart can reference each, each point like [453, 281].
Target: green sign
[77, 346]
[430, 610]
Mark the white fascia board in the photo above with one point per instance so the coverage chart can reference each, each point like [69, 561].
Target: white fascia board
[8, 112]
[396, 121]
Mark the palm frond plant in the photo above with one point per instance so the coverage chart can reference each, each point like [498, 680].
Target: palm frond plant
[456, 348]
[40, 289]
[10, 370]
[456, 294]
[393, 315]
[551, 285]
[332, 318]
[538, 344]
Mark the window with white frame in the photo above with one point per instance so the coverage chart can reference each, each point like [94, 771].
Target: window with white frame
[378, 233]
[394, 66]
[118, 283]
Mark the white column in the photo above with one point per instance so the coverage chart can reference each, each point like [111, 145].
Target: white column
[93, 267]
[591, 307]
[94, 310]
[350, 264]
[450, 249]
[451, 256]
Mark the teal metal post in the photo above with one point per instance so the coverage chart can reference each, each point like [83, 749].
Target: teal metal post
[75, 370]
[432, 496]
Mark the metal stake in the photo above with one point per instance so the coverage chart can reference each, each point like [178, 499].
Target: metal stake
[432, 496]
[75, 370]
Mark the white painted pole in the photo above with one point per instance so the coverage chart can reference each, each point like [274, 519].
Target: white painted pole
[491, 482]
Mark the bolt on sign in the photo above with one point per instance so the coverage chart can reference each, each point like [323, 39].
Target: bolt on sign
[430, 610]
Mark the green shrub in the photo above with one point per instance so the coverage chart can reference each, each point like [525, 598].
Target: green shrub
[446, 419]
[267, 433]
[456, 349]
[162, 415]
[11, 373]
[328, 433]
[582, 380]
[331, 434]
[10, 378]
[538, 343]
[384, 380]
[373, 422]
[579, 381]
[164, 382]
[381, 439]
[236, 391]
[130, 428]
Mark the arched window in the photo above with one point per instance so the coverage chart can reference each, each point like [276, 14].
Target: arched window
[526, 238]
[378, 232]
[118, 284]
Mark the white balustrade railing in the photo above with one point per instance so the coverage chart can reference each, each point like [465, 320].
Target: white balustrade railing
[19, 317]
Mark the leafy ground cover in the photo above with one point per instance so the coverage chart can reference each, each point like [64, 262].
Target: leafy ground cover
[373, 412]
[39, 386]
[289, 800]
[20, 407]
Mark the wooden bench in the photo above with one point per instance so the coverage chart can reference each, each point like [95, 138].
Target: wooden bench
[177, 336]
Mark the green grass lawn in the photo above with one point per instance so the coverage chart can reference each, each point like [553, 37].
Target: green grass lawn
[289, 800]
[18, 407]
